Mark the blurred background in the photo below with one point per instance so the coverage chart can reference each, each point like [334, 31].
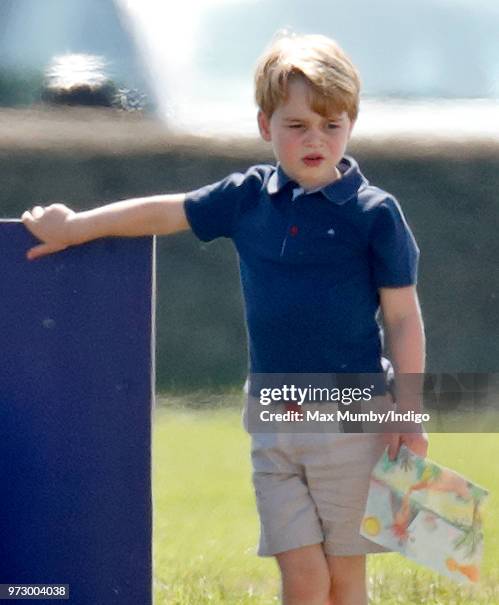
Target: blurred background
[196, 61]
[172, 109]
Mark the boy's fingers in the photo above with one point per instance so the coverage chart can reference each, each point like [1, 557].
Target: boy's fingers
[26, 217]
[37, 212]
[42, 250]
[393, 445]
[29, 221]
[417, 443]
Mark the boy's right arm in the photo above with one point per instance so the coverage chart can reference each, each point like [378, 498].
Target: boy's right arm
[58, 227]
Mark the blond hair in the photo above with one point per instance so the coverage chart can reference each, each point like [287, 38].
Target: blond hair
[333, 79]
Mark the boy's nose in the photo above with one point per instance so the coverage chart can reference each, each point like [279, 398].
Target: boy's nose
[312, 137]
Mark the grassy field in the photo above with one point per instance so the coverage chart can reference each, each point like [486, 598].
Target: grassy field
[206, 527]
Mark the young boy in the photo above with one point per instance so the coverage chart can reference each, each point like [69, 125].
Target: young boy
[320, 251]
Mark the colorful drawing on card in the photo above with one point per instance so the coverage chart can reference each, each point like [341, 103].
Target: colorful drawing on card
[428, 513]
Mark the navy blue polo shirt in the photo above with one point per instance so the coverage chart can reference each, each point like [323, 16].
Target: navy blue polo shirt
[311, 264]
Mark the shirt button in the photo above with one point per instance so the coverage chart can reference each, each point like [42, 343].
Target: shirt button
[293, 230]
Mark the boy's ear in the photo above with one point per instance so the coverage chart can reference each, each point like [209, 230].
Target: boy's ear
[264, 126]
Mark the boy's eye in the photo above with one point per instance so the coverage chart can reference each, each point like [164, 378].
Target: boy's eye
[295, 125]
[332, 126]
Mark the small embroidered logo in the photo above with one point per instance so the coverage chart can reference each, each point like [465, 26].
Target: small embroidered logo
[331, 232]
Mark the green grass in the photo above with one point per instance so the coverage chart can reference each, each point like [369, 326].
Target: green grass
[206, 526]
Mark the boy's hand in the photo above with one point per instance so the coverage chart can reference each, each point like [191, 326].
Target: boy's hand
[51, 226]
[416, 442]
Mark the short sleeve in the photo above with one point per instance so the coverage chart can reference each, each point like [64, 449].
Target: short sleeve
[394, 254]
[213, 209]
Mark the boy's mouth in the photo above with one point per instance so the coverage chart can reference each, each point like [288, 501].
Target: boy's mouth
[313, 159]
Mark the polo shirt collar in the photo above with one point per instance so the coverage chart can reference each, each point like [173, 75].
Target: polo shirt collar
[339, 191]
[278, 180]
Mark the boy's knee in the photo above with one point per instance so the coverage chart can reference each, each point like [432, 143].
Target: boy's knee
[348, 579]
[306, 589]
[305, 576]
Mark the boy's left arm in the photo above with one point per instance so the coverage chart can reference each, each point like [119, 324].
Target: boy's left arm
[404, 333]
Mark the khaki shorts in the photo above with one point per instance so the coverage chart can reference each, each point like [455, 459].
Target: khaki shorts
[312, 488]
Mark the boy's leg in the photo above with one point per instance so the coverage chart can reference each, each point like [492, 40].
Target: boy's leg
[305, 576]
[348, 580]
[310, 577]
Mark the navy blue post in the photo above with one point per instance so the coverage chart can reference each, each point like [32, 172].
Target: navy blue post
[76, 388]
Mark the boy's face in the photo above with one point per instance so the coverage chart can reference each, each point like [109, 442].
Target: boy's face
[308, 145]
